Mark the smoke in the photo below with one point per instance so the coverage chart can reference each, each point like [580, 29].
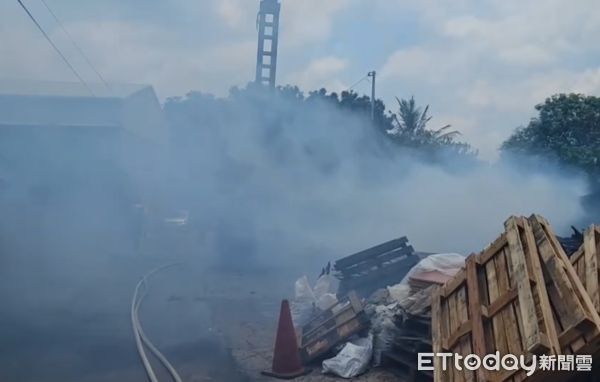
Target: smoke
[301, 181]
[258, 178]
[263, 181]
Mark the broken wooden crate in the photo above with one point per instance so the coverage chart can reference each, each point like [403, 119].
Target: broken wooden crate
[519, 296]
[377, 267]
[401, 359]
[424, 280]
[586, 262]
[413, 337]
[332, 327]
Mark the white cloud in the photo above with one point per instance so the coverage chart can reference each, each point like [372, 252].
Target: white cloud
[412, 63]
[492, 62]
[129, 52]
[232, 12]
[321, 72]
[483, 65]
[309, 21]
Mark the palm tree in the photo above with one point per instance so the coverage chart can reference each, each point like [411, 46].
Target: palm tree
[411, 124]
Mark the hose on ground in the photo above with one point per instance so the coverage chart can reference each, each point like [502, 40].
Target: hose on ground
[140, 336]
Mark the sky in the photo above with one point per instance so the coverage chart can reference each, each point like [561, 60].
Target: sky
[481, 65]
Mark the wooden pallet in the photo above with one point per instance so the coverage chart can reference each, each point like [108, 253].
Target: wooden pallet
[313, 350]
[515, 309]
[376, 267]
[519, 296]
[452, 327]
[332, 327]
[576, 319]
[402, 360]
[586, 262]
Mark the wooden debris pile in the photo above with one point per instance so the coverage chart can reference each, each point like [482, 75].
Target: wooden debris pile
[425, 280]
[332, 327]
[519, 296]
[413, 337]
[377, 267]
[586, 261]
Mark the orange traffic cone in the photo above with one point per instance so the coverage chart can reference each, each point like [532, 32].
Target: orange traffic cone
[286, 358]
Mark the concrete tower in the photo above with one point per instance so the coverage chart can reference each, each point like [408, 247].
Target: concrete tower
[268, 34]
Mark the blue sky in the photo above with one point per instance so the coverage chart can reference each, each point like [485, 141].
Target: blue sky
[481, 64]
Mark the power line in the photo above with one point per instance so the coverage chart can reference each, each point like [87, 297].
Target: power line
[357, 82]
[74, 43]
[55, 47]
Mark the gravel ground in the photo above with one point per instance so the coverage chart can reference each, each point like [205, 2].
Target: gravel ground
[213, 325]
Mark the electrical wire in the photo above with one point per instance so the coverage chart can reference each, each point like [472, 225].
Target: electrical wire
[140, 336]
[357, 83]
[66, 61]
[85, 57]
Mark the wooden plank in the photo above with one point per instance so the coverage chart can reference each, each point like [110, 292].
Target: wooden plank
[497, 320]
[454, 283]
[492, 249]
[386, 276]
[570, 284]
[373, 251]
[591, 267]
[377, 261]
[343, 311]
[531, 332]
[565, 299]
[337, 335]
[456, 375]
[501, 303]
[463, 315]
[578, 288]
[515, 303]
[436, 333]
[488, 338]
[510, 325]
[577, 255]
[474, 300]
[547, 314]
[457, 334]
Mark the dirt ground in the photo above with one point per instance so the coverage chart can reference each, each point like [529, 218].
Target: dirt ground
[249, 332]
[213, 325]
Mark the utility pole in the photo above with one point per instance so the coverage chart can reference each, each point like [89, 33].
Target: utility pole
[374, 75]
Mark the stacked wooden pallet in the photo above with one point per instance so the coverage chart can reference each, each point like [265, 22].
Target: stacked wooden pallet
[586, 262]
[411, 337]
[377, 267]
[424, 280]
[414, 337]
[332, 327]
[519, 296]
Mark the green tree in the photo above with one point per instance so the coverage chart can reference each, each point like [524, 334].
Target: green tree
[567, 129]
[410, 129]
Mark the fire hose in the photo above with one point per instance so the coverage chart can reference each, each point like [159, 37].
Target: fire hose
[140, 337]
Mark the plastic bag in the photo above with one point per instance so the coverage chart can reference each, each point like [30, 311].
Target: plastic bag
[384, 330]
[303, 305]
[446, 263]
[307, 299]
[326, 301]
[352, 360]
[326, 284]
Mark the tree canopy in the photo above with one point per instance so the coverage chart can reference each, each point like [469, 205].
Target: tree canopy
[407, 129]
[567, 129]
[410, 129]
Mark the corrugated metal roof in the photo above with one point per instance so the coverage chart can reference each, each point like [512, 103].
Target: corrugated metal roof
[66, 89]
